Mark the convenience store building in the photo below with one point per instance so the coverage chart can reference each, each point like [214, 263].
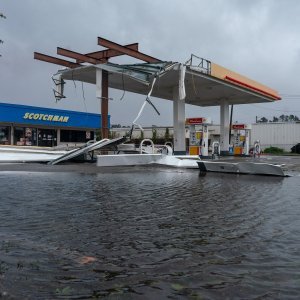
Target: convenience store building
[24, 125]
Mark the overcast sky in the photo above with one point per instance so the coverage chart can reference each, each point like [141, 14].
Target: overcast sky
[259, 39]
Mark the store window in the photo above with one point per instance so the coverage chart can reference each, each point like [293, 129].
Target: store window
[47, 137]
[76, 136]
[19, 136]
[30, 136]
[25, 136]
[4, 135]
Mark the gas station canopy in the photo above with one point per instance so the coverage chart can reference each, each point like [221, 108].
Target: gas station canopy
[205, 83]
[197, 82]
[203, 86]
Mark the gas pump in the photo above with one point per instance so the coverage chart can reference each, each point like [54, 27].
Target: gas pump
[256, 149]
[198, 135]
[241, 139]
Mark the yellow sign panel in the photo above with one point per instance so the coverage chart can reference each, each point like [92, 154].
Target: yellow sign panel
[238, 150]
[194, 150]
[198, 135]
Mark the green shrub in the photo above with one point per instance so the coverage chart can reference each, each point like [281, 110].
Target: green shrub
[154, 135]
[274, 150]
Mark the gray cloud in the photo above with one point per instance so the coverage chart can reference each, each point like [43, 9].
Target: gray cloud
[259, 39]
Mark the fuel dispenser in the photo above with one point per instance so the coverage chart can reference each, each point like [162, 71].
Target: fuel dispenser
[198, 144]
[241, 139]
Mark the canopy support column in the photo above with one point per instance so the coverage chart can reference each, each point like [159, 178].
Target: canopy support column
[102, 94]
[12, 134]
[224, 127]
[178, 123]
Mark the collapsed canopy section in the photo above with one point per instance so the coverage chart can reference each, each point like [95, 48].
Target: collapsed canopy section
[140, 73]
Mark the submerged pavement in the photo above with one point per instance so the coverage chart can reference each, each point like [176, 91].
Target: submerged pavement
[76, 231]
[290, 164]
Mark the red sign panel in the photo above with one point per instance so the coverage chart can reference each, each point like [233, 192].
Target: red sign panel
[195, 121]
[239, 126]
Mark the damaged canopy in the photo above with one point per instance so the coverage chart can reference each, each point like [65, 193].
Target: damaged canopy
[173, 80]
[143, 73]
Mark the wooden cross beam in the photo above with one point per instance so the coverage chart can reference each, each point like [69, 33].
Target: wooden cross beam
[110, 52]
[134, 53]
[97, 57]
[54, 60]
[79, 56]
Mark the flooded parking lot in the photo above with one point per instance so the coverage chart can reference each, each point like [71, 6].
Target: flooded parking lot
[80, 232]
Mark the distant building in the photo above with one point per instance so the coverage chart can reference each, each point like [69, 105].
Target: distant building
[283, 135]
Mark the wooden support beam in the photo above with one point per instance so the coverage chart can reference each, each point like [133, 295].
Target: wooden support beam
[79, 56]
[111, 45]
[104, 105]
[110, 53]
[54, 60]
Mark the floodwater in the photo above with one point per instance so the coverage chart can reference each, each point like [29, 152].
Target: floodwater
[77, 232]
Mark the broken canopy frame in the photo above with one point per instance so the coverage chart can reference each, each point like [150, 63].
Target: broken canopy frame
[146, 73]
[142, 108]
[143, 73]
[59, 87]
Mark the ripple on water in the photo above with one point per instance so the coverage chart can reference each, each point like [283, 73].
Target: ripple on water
[155, 234]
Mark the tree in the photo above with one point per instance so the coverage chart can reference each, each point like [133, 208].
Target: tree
[154, 135]
[116, 126]
[286, 118]
[98, 135]
[3, 17]
[167, 134]
[293, 118]
[142, 135]
[263, 120]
